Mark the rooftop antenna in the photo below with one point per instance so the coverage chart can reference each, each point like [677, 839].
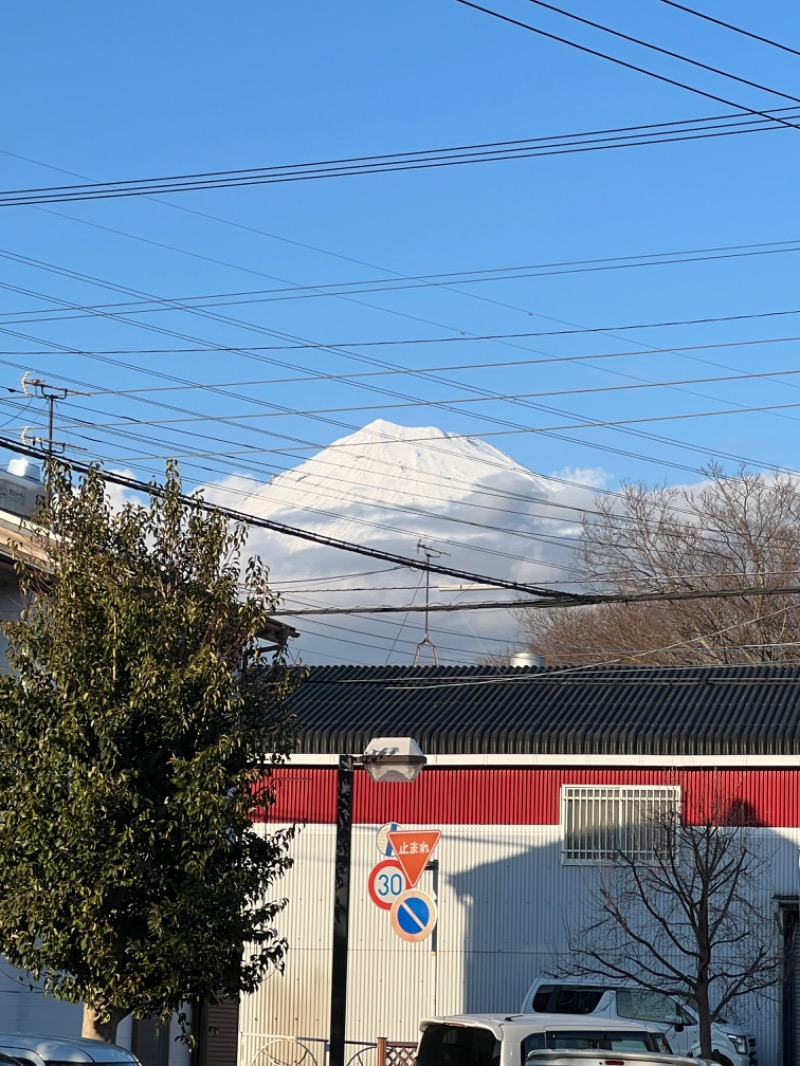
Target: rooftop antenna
[429, 553]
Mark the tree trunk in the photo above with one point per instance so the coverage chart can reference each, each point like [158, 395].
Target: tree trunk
[704, 1021]
[95, 1028]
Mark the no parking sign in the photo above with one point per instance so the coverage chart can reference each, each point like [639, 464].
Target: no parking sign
[413, 915]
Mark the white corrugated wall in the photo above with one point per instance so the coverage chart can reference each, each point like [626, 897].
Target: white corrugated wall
[505, 901]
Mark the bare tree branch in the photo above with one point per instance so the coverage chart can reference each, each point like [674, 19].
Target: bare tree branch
[726, 533]
[687, 920]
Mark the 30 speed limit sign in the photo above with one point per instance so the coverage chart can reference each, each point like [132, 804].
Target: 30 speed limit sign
[387, 882]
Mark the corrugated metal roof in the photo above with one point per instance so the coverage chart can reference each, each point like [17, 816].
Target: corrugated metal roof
[607, 710]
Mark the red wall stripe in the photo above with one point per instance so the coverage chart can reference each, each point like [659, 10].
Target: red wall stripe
[526, 796]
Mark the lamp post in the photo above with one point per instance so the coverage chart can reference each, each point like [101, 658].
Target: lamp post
[385, 759]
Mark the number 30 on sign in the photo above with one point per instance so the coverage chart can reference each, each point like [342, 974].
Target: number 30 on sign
[386, 883]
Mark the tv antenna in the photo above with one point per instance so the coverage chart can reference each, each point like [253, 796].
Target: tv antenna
[429, 553]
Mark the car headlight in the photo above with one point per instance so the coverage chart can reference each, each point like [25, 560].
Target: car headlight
[739, 1043]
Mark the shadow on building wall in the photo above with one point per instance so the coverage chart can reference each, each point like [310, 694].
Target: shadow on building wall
[522, 909]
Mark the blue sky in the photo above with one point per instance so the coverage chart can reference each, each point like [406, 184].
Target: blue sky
[113, 91]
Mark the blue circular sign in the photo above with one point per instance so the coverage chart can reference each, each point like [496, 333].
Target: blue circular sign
[413, 915]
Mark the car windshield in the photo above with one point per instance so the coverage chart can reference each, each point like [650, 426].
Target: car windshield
[592, 1039]
[650, 1006]
[567, 999]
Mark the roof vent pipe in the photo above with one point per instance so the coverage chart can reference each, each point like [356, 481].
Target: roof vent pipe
[526, 658]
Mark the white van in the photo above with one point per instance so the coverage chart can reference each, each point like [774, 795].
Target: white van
[544, 1040]
[732, 1047]
[29, 1049]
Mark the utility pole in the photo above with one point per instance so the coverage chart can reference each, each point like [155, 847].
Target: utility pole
[50, 393]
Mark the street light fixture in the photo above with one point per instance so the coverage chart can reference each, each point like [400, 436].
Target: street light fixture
[385, 759]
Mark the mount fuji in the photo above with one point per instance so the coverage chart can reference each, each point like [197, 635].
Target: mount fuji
[415, 492]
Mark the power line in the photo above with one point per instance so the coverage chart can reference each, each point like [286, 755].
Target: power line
[663, 51]
[546, 598]
[560, 144]
[623, 63]
[577, 600]
[302, 534]
[150, 305]
[538, 536]
[212, 315]
[459, 338]
[758, 375]
[730, 26]
[249, 228]
[339, 496]
[426, 443]
[513, 427]
[550, 675]
[550, 504]
[263, 233]
[350, 355]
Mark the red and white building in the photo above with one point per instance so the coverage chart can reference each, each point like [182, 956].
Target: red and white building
[516, 759]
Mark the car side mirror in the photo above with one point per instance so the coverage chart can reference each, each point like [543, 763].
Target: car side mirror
[679, 1027]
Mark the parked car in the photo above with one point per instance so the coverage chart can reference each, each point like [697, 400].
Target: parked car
[731, 1046]
[545, 1040]
[29, 1049]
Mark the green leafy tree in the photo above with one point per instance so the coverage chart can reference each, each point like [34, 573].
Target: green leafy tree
[138, 730]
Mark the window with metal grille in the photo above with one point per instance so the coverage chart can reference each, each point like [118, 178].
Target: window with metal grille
[601, 822]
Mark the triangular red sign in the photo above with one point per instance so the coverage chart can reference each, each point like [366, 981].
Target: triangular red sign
[413, 849]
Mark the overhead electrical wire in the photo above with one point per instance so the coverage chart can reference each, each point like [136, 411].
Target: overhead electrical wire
[339, 496]
[555, 673]
[663, 51]
[606, 448]
[546, 598]
[348, 258]
[308, 586]
[540, 536]
[623, 63]
[679, 444]
[172, 205]
[729, 26]
[205, 314]
[318, 538]
[524, 148]
[549, 504]
[226, 319]
[546, 431]
[249, 228]
[350, 355]
[546, 538]
[756, 375]
[395, 343]
[391, 285]
[693, 470]
[576, 600]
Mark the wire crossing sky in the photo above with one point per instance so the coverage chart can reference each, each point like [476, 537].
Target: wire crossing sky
[560, 243]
